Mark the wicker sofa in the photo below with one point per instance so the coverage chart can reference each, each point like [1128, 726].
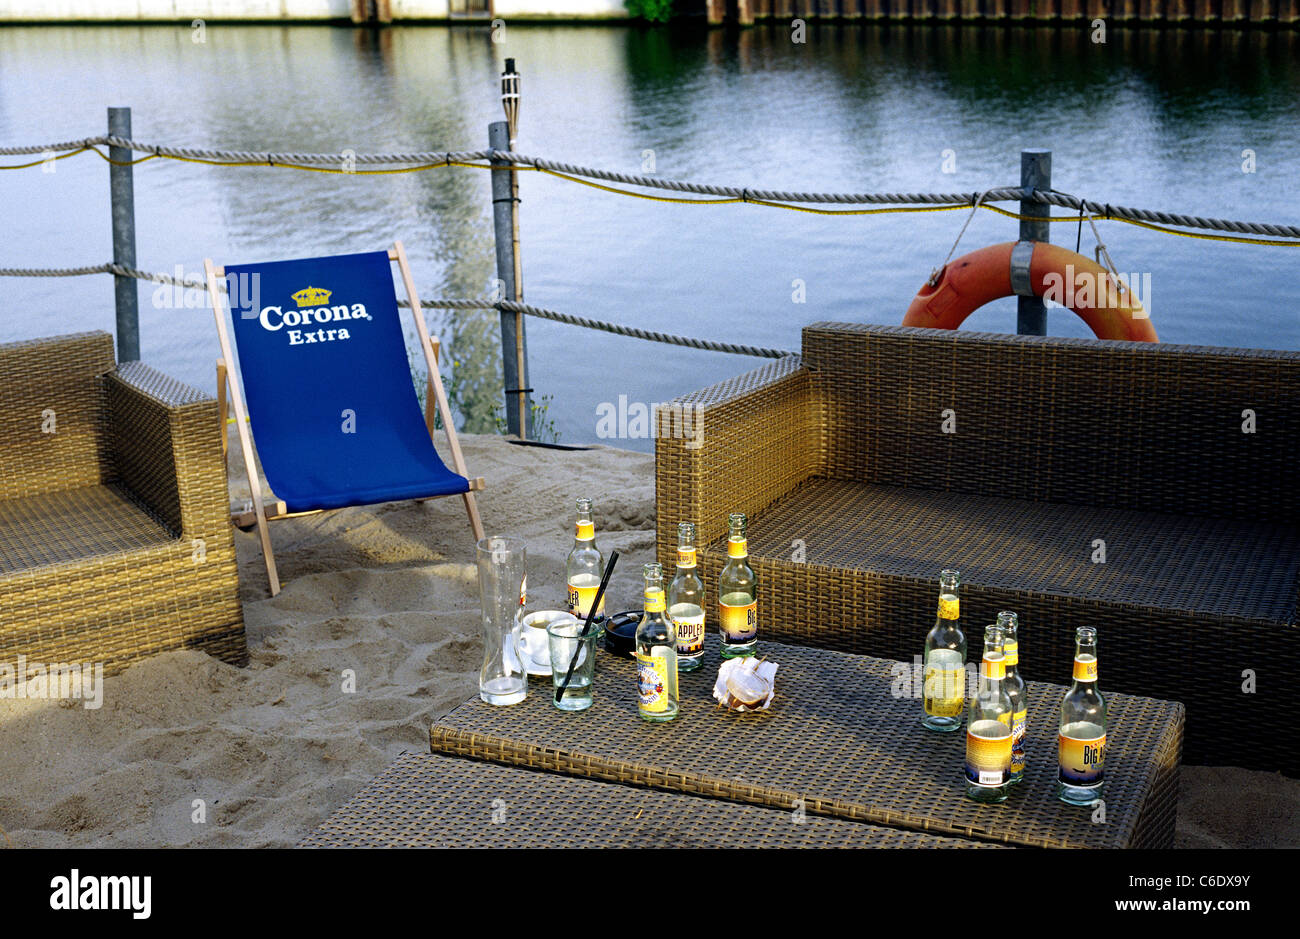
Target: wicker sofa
[115, 539]
[857, 498]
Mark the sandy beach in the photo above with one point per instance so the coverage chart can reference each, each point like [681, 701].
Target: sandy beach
[389, 592]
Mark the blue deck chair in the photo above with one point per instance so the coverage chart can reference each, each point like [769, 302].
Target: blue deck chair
[329, 390]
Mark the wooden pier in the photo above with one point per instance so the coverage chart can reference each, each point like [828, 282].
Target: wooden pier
[1190, 12]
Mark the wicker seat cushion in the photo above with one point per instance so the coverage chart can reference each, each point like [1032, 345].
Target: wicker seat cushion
[1217, 568]
[72, 526]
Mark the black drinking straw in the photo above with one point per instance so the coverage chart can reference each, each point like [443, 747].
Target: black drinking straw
[586, 628]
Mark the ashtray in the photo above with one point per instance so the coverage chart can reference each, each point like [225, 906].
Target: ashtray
[620, 633]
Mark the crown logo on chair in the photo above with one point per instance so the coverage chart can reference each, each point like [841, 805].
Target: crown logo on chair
[311, 296]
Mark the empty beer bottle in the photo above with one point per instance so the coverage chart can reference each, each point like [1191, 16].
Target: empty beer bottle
[944, 688]
[988, 726]
[737, 594]
[686, 602]
[584, 566]
[656, 653]
[1016, 691]
[1082, 740]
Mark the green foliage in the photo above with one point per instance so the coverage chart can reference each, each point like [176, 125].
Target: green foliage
[543, 426]
[653, 11]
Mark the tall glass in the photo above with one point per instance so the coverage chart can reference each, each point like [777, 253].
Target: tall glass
[503, 678]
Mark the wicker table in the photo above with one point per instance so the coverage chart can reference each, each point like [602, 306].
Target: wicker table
[838, 738]
[440, 802]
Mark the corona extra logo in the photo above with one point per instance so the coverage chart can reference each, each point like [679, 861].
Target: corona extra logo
[311, 296]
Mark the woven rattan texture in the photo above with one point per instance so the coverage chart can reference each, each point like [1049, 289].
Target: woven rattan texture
[140, 559]
[850, 564]
[52, 428]
[432, 801]
[838, 737]
[1153, 427]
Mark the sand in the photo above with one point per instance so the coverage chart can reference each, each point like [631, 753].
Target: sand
[389, 592]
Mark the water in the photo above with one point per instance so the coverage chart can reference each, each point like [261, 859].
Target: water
[1081, 795]
[1153, 119]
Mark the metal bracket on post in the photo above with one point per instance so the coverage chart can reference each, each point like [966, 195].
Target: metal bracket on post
[122, 193]
[1035, 173]
[514, 345]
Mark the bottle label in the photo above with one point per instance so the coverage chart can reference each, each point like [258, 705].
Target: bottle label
[949, 609]
[654, 601]
[686, 557]
[1083, 762]
[580, 601]
[1019, 722]
[993, 668]
[945, 691]
[988, 760]
[690, 634]
[737, 549]
[739, 623]
[586, 531]
[1085, 669]
[1011, 652]
[652, 682]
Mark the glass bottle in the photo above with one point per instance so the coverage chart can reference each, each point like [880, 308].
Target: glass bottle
[1082, 741]
[584, 566]
[737, 594]
[944, 690]
[1016, 691]
[686, 602]
[988, 726]
[656, 653]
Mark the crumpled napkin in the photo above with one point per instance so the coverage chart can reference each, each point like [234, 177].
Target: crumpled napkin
[764, 670]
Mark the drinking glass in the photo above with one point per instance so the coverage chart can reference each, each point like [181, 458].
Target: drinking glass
[503, 678]
[566, 640]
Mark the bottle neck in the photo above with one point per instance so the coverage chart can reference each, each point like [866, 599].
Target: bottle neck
[584, 534]
[737, 547]
[1085, 668]
[1011, 652]
[654, 600]
[686, 557]
[949, 606]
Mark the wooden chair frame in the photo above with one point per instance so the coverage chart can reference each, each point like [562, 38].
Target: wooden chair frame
[435, 404]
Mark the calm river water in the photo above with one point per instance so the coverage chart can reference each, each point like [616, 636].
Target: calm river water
[1154, 119]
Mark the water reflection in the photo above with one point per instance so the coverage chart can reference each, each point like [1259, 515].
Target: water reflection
[1153, 118]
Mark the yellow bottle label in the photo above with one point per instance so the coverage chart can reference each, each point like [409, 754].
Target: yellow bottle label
[739, 623]
[1019, 723]
[1083, 762]
[1011, 652]
[654, 601]
[686, 557]
[586, 531]
[1085, 669]
[580, 600]
[993, 668]
[690, 634]
[652, 682]
[737, 549]
[945, 691]
[988, 759]
[949, 609]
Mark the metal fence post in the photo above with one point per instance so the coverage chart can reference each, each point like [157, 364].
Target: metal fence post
[1035, 173]
[514, 344]
[122, 192]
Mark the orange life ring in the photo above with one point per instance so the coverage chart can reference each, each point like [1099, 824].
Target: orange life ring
[966, 284]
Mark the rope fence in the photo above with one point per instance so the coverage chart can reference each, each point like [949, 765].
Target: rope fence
[457, 303]
[347, 163]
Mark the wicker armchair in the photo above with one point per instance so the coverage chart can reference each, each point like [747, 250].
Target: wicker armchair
[1063, 448]
[115, 538]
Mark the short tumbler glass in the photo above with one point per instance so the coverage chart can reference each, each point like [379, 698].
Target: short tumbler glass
[566, 640]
